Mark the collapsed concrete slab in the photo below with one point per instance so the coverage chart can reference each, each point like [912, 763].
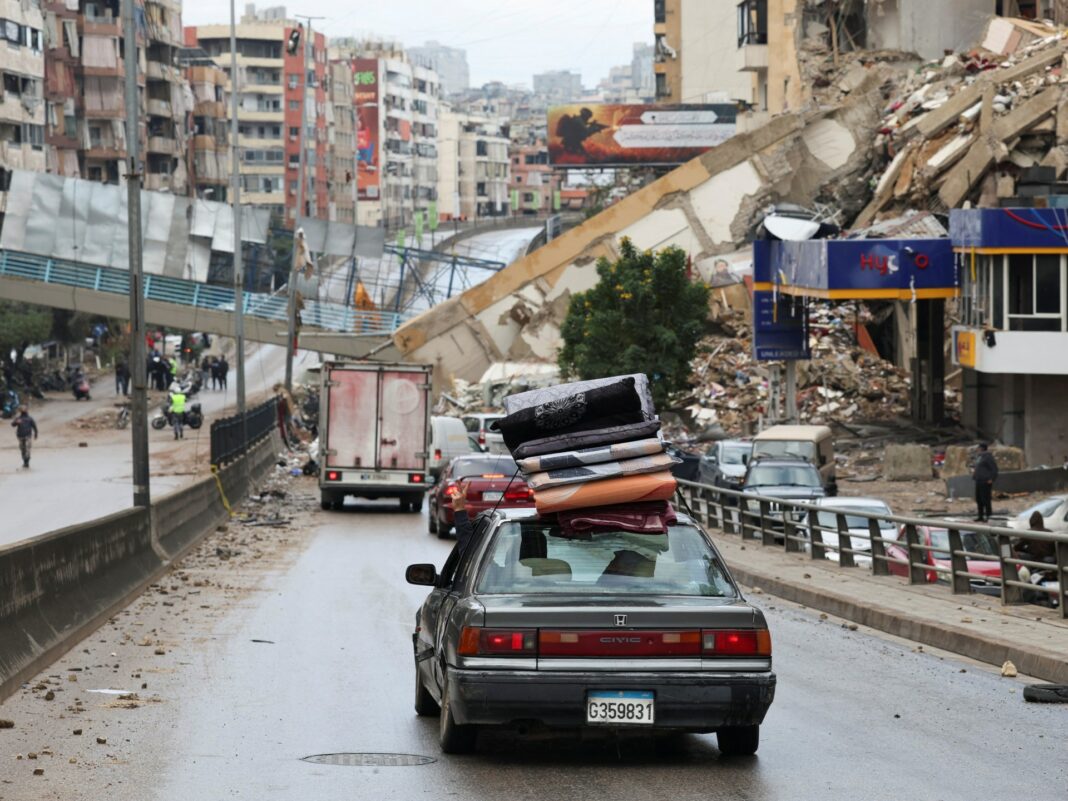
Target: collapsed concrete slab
[707, 207]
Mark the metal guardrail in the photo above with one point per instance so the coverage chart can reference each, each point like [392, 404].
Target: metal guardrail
[164, 289]
[226, 433]
[776, 522]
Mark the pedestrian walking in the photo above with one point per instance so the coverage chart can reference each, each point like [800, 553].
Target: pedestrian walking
[224, 370]
[177, 411]
[205, 371]
[984, 474]
[122, 378]
[25, 431]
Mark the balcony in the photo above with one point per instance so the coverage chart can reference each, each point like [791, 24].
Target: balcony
[753, 57]
[1011, 352]
[753, 35]
[159, 108]
[162, 144]
[105, 113]
[158, 181]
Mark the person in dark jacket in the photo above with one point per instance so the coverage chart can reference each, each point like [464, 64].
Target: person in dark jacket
[122, 378]
[984, 474]
[464, 528]
[25, 427]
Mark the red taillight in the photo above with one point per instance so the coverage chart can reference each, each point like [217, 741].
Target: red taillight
[481, 437]
[619, 642]
[451, 489]
[736, 642]
[416, 478]
[333, 475]
[519, 494]
[498, 642]
[437, 454]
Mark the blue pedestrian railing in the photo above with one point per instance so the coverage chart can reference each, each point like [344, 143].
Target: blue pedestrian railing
[178, 291]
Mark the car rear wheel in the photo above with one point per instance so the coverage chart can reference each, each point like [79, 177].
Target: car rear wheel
[454, 738]
[425, 705]
[738, 740]
[326, 501]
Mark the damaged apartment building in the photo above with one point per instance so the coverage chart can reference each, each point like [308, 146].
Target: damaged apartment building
[22, 108]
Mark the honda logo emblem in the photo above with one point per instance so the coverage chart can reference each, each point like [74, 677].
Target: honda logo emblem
[621, 620]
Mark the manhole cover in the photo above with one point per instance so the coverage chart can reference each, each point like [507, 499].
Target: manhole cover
[370, 760]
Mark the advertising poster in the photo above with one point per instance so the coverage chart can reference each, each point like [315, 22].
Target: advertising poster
[366, 99]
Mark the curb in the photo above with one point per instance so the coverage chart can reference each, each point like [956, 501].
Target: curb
[1035, 662]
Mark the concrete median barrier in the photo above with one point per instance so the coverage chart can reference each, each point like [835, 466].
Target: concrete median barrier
[57, 588]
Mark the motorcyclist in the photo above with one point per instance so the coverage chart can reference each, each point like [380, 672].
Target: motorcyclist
[177, 410]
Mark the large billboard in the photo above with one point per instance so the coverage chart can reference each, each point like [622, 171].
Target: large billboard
[583, 135]
[366, 99]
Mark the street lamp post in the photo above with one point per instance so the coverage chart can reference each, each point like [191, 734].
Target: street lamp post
[239, 277]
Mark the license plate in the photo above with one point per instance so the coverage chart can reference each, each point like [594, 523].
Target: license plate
[492, 497]
[620, 707]
[374, 477]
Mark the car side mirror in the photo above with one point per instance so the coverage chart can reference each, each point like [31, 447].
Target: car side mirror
[423, 575]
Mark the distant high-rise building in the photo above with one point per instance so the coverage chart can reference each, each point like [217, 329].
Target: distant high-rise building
[642, 76]
[450, 63]
[559, 86]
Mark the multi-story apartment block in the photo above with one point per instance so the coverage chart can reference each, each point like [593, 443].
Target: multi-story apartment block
[426, 89]
[341, 142]
[22, 106]
[474, 166]
[450, 63]
[559, 86]
[533, 181]
[271, 84]
[695, 52]
[165, 99]
[209, 143]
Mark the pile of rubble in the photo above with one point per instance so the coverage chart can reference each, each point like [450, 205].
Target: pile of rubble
[842, 382]
[970, 127]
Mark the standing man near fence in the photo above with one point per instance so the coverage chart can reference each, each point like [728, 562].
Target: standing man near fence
[984, 474]
[25, 427]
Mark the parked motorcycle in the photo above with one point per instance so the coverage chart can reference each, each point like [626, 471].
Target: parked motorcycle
[10, 404]
[123, 418]
[80, 388]
[194, 418]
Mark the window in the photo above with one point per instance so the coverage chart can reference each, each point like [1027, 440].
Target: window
[1035, 296]
[659, 11]
[752, 22]
[293, 80]
[294, 105]
[531, 557]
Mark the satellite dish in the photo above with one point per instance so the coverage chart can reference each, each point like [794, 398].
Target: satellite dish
[791, 229]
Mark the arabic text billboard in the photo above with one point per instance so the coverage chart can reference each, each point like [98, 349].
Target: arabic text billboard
[583, 135]
[367, 145]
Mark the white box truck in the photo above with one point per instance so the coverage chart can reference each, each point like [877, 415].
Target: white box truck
[374, 432]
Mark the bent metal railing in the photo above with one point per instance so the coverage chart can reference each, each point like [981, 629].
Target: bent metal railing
[790, 525]
[207, 297]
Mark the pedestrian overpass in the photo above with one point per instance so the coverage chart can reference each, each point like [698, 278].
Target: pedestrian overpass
[193, 306]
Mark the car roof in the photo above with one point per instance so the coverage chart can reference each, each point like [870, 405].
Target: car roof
[738, 442]
[484, 415]
[845, 502]
[527, 513]
[781, 461]
[809, 433]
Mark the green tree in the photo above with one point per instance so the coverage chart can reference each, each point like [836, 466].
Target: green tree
[645, 315]
[21, 325]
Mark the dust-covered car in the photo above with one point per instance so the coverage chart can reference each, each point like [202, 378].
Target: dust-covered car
[613, 630]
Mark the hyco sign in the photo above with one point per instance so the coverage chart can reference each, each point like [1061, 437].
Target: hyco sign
[886, 264]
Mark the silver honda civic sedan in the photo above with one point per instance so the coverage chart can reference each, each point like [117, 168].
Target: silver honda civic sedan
[615, 630]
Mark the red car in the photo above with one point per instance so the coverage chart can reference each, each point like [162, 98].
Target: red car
[972, 541]
[495, 482]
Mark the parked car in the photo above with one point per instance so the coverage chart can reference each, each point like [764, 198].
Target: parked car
[478, 425]
[723, 465]
[688, 466]
[814, 444]
[857, 526]
[973, 541]
[612, 631]
[493, 484]
[788, 479]
[448, 439]
[1054, 511]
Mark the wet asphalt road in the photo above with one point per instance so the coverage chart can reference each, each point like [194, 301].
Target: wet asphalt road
[339, 678]
[857, 716]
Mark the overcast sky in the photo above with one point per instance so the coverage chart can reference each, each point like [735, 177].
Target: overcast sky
[506, 40]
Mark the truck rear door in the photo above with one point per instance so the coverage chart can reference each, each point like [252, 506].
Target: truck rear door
[353, 418]
[402, 423]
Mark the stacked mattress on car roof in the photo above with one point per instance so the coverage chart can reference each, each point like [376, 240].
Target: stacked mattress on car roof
[591, 452]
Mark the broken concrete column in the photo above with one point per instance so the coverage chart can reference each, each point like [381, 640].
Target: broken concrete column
[907, 463]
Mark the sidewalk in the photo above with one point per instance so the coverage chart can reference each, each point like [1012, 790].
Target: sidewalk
[1033, 637]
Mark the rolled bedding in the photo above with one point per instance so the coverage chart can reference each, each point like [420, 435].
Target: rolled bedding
[615, 404]
[599, 454]
[543, 395]
[597, 472]
[648, 517]
[586, 439]
[626, 489]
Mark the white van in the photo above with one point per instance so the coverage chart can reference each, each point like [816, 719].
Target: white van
[448, 438]
[814, 444]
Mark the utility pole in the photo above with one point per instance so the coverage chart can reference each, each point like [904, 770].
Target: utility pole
[239, 271]
[291, 310]
[138, 367]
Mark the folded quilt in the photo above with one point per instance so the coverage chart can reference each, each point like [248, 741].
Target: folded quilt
[586, 439]
[615, 404]
[598, 472]
[627, 489]
[650, 517]
[596, 455]
[537, 397]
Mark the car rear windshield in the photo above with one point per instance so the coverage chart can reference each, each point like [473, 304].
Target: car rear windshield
[791, 449]
[469, 467]
[733, 454]
[783, 476]
[531, 557]
[972, 541]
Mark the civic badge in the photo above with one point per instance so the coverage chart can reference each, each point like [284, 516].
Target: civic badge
[621, 620]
